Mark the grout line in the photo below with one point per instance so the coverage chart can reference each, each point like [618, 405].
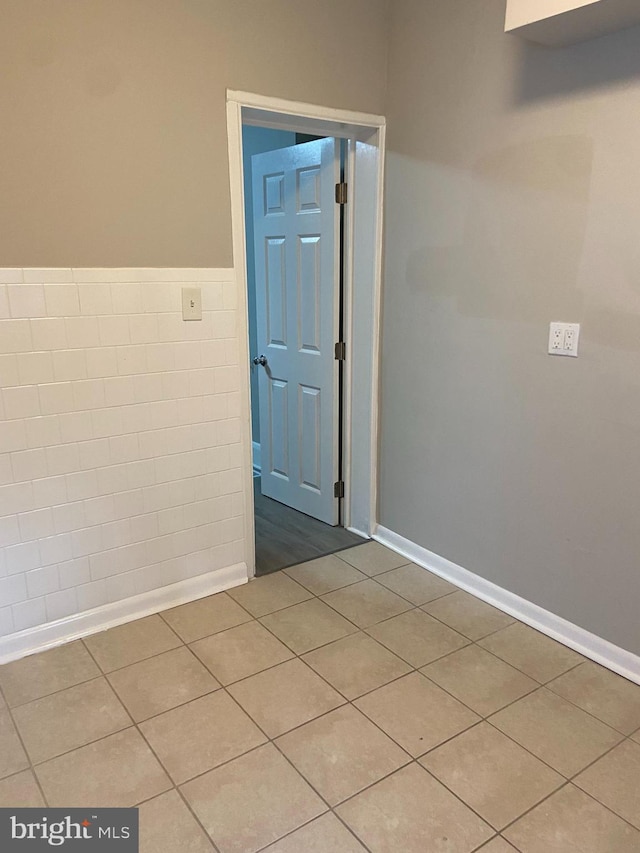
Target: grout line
[465, 704]
[570, 781]
[301, 657]
[83, 745]
[411, 760]
[202, 773]
[269, 741]
[485, 719]
[623, 736]
[146, 800]
[54, 692]
[580, 708]
[349, 829]
[600, 803]
[197, 819]
[458, 630]
[174, 787]
[324, 592]
[519, 669]
[167, 710]
[131, 663]
[485, 844]
[30, 766]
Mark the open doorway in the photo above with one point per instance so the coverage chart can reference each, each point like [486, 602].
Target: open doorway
[313, 422]
[294, 225]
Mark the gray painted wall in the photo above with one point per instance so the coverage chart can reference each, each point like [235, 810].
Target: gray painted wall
[513, 199]
[513, 196]
[255, 140]
[114, 130]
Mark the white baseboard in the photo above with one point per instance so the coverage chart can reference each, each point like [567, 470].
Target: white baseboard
[591, 646]
[43, 637]
[257, 459]
[358, 532]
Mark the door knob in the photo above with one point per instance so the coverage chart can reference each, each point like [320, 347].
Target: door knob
[260, 359]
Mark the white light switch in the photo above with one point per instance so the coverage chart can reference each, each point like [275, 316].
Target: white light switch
[191, 303]
[563, 339]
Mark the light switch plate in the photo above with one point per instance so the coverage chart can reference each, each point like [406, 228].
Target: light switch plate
[191, 303]
[563, 339]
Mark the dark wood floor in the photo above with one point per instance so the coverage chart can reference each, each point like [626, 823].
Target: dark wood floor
[285, 536]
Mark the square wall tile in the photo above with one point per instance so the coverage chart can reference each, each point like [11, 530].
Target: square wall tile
[62, 300]
[13, 436]
[15, 335]
[21, 402]
[26, 300]
[28, 614]
[34, 368]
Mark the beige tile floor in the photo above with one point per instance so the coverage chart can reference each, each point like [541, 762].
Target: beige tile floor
[348, 704]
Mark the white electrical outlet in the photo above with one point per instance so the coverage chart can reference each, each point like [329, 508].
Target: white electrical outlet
[563, 339]
[191, 303]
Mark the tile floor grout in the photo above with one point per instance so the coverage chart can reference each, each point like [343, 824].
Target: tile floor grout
[414, 669]
[412, 760]
[363, 631]
[416, 759]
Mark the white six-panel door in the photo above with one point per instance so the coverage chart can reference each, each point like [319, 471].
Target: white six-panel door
[296, 222]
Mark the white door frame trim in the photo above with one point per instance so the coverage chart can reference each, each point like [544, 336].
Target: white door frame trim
[363, 278]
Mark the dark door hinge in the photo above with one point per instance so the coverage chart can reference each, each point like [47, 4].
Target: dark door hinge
[341, 351]
[338, 489]
[341, 193]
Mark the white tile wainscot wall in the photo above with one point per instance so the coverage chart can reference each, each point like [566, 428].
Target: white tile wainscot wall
[120, 456]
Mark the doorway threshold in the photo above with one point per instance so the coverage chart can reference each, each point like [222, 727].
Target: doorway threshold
[286, 537]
